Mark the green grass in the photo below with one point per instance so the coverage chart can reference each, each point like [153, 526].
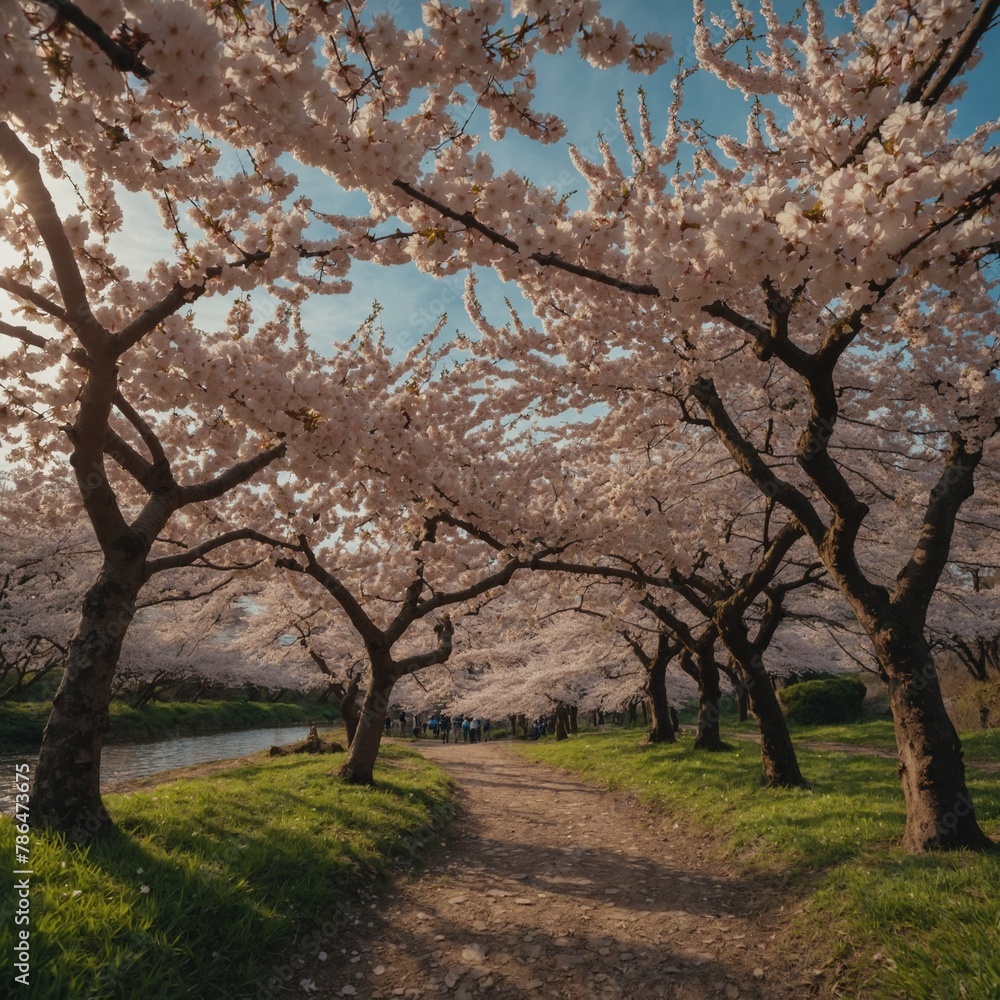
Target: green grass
[870, 732]
[213, 885]
[979, 745]
[22, 722]
[932, 921]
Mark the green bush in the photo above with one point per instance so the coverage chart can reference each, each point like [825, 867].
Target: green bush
[979, 704]
[799, 677]
[812, 703]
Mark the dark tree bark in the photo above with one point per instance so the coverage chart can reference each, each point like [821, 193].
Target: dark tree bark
[359, 766]
[740, 692]
[346, 692]
[662, 728]
[66, 795]
[778, 760]
[661, 725]
[780, 765]
[939, 809]
[562, 729]
[939, 812]
[350, 710]
[704, 669]
[67, 791]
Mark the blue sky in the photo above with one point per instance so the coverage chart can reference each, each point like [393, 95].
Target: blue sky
[585, 98]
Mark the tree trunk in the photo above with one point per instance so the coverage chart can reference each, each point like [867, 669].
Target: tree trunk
[705, 671]
[350, 711]
[781, 767]
[742, 700]
[574, 721]
[562, 732]
[662, 728]
[359, 766]
[939, 810]
[67, 792]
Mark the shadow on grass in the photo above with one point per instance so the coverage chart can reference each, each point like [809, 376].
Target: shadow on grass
[212, 887]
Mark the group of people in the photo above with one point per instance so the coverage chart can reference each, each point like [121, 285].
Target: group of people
[440, 727]
[538, 728]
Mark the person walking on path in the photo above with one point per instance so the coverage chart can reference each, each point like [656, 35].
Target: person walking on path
[465, 730]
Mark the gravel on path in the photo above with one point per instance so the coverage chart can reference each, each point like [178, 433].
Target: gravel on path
[554, 888]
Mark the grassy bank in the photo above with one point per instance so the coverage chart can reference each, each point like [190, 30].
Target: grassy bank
[21, 723]
[881, 923]
[215, 886]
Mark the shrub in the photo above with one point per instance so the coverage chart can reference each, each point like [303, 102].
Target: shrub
[811, 703]
[979, 704]
[798, 677]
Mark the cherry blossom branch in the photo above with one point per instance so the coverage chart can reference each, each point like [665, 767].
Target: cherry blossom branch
[232, 477]
[834, 544]
[187, 595]
[931, 85]
[28, 294]
[474, 530]
[751, 464]
[732, 609]
[179, 296]
[411, 664]
[149, 438]
[490, 582]
[197, 552]
[978, 25]
[122, 57]
[23, 334]
[23, 167]
[774, 611]
[917, 581]
[367, 629]
[128, 459]
[468, 220]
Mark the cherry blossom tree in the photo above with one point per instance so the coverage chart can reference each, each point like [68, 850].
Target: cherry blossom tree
[280, 628]
[520, 662]
[40, 570]
[844, 245]
[66, 792]
[838, 254]
[262, 80]
[427, 523]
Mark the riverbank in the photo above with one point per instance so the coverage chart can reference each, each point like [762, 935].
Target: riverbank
[224, 880]
[22, 723]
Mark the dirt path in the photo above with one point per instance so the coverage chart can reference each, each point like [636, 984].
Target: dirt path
[554, 888]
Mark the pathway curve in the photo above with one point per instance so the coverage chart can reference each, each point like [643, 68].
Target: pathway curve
[555, 888]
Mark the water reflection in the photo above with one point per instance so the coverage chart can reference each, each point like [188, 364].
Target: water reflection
[121, 761]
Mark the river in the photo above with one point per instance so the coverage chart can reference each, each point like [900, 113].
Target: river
[121, 761]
